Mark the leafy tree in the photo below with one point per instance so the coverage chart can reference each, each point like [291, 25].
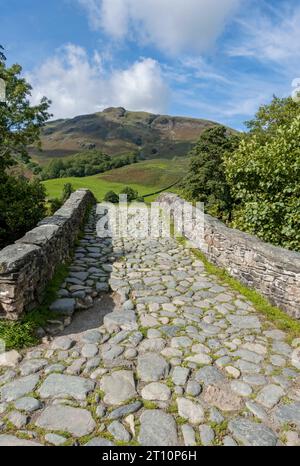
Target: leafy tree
[21, 201]
[205, 181]
[112, 197]
[264, 179]
[20, 122]
[270, 117]
[131, 193]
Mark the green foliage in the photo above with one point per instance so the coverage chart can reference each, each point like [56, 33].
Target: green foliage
[112, 197]
[85, 164]
[280, 112]
[67, 191]
[265, 183]
[206, 181]
[130, 193]
[21, 202]
[22, 206]
[20, 122]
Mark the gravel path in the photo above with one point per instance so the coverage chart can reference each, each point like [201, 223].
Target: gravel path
[167, 356]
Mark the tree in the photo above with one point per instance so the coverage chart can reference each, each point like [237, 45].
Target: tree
[205, 181]
[130, 193]
[264, 178]
[20, 122]
[21, 201]
[270, 117]
[112, 197]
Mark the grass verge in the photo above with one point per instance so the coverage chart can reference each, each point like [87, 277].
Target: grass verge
[278, 317]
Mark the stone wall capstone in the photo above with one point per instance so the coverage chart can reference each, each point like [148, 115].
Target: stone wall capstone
[271, 270]
[27, 265]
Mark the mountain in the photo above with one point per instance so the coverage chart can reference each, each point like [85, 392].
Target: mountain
[118, 131]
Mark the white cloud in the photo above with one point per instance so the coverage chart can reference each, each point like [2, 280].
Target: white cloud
[173, 26]
[272, 38]
[78, 85]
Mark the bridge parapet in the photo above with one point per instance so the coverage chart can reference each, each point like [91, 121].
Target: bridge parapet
[271, 270]
[29, 264]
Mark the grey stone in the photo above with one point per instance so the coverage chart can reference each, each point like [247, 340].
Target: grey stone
[215, 416]
[18, 388]
[113, 352]
[257, 410]
[154, 345]
[156, 391]
[55, 439]
[28, 404]
[270, 395]
[193, 388]
[19, 420]
[207, 435]
[289, 413]
[124, 410]
[181, 342]
[62, 343]
[209, 375]
[190, 410]
[241, 388]
[180, 375]
[118, 387]
[64, 306]
[78, 422]
[188, 434]
[244, 322]
[89, 350]
[99, 442]
[119, 432]
[60, 385]
[229, 442]
[32, 366]
[251, 434]
[152, 367]
[91, 336]
[157, 429]
[12, 441]
[124, 320]
[10, 358]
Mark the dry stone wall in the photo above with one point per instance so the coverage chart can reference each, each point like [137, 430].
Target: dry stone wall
[27, 266]
[272, 271]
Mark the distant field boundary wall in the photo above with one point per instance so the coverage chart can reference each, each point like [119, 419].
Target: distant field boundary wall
[272, 271]
[28, 265]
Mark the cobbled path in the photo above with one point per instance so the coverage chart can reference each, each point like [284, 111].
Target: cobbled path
[181, 360]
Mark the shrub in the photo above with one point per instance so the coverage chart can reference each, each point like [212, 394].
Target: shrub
[22, 206]
[264, 182]
[131, 193]
[112, 197]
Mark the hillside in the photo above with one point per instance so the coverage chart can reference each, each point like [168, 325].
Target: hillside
[146, 177]
[118, 131]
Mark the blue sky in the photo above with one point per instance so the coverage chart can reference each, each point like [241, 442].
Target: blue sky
[214, 59]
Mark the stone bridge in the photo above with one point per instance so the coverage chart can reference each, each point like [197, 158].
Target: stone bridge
[145, 346]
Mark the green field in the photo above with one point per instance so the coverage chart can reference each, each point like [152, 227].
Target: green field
[145, 177]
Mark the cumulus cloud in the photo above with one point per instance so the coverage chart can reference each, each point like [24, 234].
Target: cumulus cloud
[173, 26]
[77, 84]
